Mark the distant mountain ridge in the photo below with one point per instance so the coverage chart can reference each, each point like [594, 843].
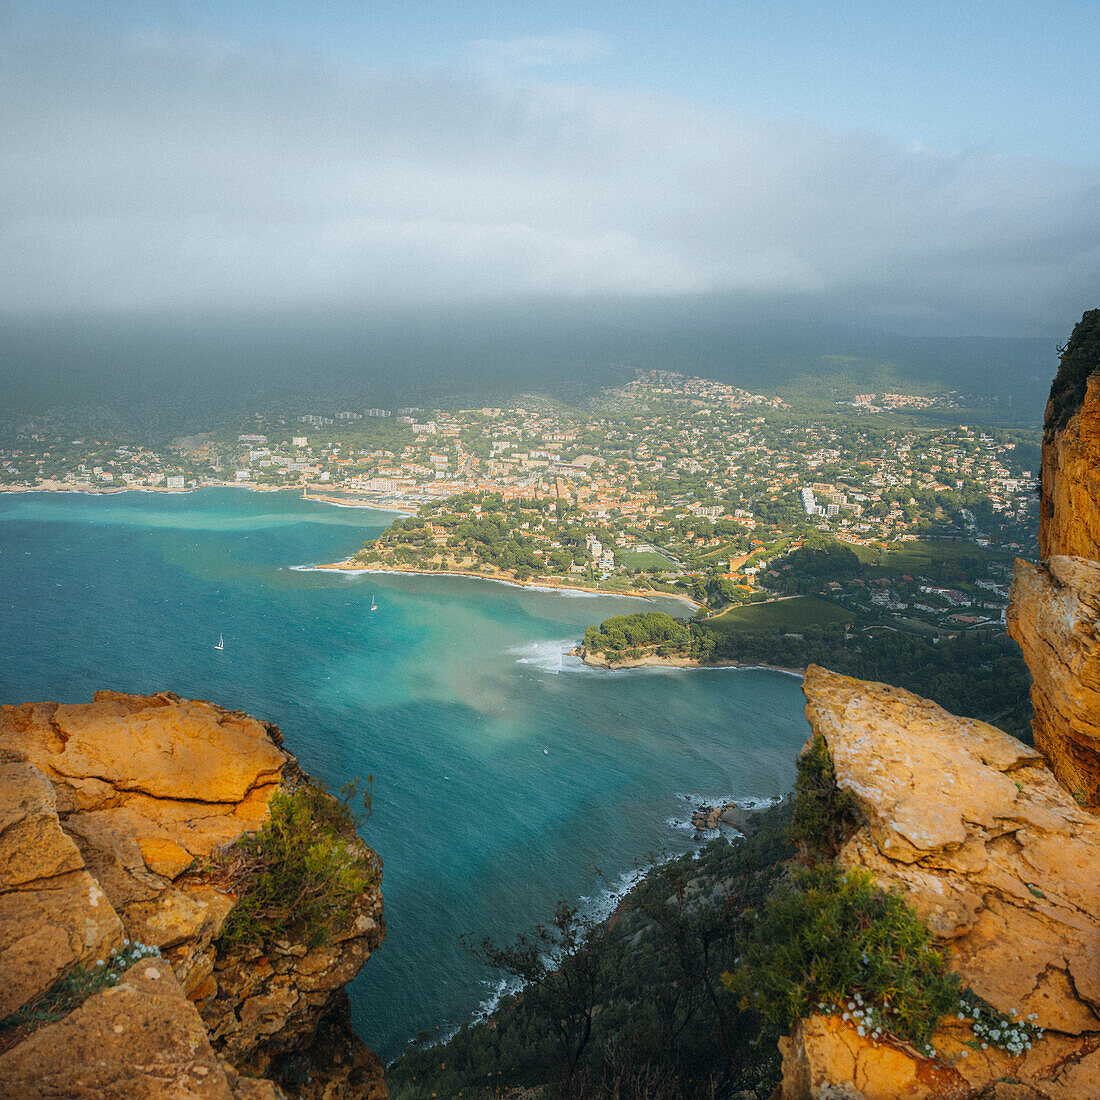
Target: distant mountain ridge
[172, 375]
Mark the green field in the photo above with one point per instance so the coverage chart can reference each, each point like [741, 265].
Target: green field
[645, 560]
[918, 555]
[789, 615]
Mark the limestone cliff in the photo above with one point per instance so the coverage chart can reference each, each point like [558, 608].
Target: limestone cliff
[107, 810]
[974, 830]
[1069, 515]
[1053, 616]
[1055, 605]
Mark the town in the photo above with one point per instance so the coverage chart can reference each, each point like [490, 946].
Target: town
[667, 484]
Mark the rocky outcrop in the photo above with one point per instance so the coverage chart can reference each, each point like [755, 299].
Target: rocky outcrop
[108, 812]
[1055, 605]
[139, 1040]
[1069, 513]
[53, 914]
[1053, 617]
[1069, 518]
[975, 831]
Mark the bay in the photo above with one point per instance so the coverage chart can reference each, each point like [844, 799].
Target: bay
[505, 775]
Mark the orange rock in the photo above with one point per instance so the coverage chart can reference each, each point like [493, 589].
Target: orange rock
[1069, 516]
[826, 1059]
[132, 789]
[53, 914]
[1053, 616]
[157, 745]
[973, 829]
[140, 1040]
[164, 857]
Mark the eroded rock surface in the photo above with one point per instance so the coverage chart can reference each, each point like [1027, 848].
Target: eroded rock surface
[1069, 514]
[53, 914]
[975, 831]
[140, 1040]
[1055, 605]
[106, 812]
[1054, 618]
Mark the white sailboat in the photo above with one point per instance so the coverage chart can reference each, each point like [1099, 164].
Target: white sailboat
[373, 605]
[221, 642]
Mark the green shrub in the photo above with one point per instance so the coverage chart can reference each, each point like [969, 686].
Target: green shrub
[301, 874]
[837, 943]
[824, 816]
[75, 985]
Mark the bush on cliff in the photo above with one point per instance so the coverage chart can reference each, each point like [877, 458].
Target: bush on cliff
[823, 816]
[836, 942]
[1080, 358]
[300, 875]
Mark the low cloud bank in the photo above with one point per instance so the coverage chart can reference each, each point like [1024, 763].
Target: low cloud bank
[148, 173]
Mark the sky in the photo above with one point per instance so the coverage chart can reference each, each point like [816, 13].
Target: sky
[928, 166]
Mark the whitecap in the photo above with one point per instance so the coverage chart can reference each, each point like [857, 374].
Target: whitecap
[545, 656]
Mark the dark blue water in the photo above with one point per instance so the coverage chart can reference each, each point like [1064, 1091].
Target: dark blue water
[449, 694]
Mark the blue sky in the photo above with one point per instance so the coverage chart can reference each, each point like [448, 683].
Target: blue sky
[1011, 77]
[889, 162]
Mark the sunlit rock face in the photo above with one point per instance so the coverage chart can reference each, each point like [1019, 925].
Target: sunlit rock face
[1069, 514]
[978, 835]
[1054, 618]
[105, 809]
[1055, 605]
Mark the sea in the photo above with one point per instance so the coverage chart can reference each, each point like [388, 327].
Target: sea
[506, 775]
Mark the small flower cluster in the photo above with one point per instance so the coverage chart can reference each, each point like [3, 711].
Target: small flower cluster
[991, 1028]
[122, 958]
[868, 1019]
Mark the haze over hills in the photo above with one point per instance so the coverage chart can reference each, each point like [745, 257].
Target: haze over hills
[164, 375]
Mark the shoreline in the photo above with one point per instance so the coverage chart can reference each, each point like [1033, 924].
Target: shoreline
[537, 586]
[401, 509]
[87, 489]
[597, 661]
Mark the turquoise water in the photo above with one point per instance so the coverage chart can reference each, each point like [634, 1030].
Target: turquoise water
[449, 694]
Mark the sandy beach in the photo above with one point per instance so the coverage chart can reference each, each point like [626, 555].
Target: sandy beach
[543, 585]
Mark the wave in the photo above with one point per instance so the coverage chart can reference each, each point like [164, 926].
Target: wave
[744, 802]
[598, 908]
[658, 669]
[545, 656]
[684, 824]
[326, 569]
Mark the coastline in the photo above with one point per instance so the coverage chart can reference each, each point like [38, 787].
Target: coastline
[537, 586]
[403, 509]
[597, 661]
[82, 488]
[87, 489]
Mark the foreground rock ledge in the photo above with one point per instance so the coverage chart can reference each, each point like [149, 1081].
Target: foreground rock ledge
[974, 830]
[104, 809]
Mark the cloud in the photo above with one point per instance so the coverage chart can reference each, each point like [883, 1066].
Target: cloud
[542, 50]
[154, 174]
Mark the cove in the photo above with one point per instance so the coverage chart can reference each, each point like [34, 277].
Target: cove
[505, 775]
